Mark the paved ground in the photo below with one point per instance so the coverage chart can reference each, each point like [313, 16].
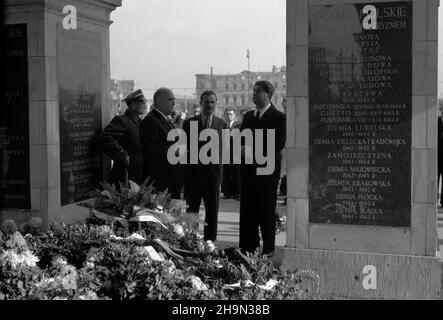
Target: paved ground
[228, 228]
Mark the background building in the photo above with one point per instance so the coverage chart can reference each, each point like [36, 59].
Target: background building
[184, 103]
[119, 90]
[235, 90]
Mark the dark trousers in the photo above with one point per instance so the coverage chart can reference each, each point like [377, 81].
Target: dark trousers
[210, 197]
[230, 185]
[257, 210]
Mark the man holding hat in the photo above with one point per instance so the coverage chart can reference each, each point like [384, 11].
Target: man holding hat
[259, 192]
[120, 141]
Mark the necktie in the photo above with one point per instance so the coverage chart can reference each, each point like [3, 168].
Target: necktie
[257, 116]
[171, 123]
[208, 122]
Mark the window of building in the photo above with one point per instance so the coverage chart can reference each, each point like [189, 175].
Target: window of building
[235, 86]
[226, 86]
[235, 99]
[226, 100]
[243, 86]
[243, 100]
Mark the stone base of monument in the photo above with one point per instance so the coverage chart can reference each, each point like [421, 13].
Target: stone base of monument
[358, 275]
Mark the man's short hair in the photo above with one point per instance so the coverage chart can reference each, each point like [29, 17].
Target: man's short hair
[229, 109]
[207, 93]
[266, 86]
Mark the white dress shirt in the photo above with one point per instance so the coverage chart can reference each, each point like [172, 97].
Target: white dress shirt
[261, 111]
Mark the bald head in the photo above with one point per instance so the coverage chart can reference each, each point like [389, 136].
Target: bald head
[164, 101]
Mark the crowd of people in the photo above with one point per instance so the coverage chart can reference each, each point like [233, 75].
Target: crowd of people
[139, 149]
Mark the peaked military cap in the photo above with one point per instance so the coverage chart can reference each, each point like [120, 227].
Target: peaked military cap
[136, 96]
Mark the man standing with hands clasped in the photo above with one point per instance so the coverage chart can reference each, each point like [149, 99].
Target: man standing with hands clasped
[203, 180]
[259, 192]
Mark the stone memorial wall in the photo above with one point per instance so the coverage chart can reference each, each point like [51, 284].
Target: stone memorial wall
[55, 102]
[361, 147]
[360, 95]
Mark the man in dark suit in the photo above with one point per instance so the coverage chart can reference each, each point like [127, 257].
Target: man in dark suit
[203, 180]
[120, 141]
[259, 192]
[153, 134]
[231, 171]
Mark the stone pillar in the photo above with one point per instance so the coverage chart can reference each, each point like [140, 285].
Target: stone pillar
[66, 97]
[361, 149]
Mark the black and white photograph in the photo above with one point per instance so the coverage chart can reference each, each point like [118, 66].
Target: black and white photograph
[221, 158]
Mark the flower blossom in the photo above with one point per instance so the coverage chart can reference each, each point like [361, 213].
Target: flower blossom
[25, 258]
[198, 284]
[90, 295]
[178, 230]
[210, 245]
[200, 246]
[218, 264]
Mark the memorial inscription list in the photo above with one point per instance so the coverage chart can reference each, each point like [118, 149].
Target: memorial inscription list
[15, 191]
[80, 83]
[360, 96]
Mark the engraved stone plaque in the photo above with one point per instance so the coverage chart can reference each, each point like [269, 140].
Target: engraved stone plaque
[360, 96]
[15, 190]
[80, 83]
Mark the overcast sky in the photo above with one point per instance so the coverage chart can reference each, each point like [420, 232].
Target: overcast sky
[166, 42]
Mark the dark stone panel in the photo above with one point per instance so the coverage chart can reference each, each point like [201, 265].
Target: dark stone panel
[80, 91]
[15, 192]
[360, 97]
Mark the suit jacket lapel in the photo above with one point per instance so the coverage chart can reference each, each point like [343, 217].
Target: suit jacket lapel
[268, 112]
[166, 126]
[201, 125]
[213, 122]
